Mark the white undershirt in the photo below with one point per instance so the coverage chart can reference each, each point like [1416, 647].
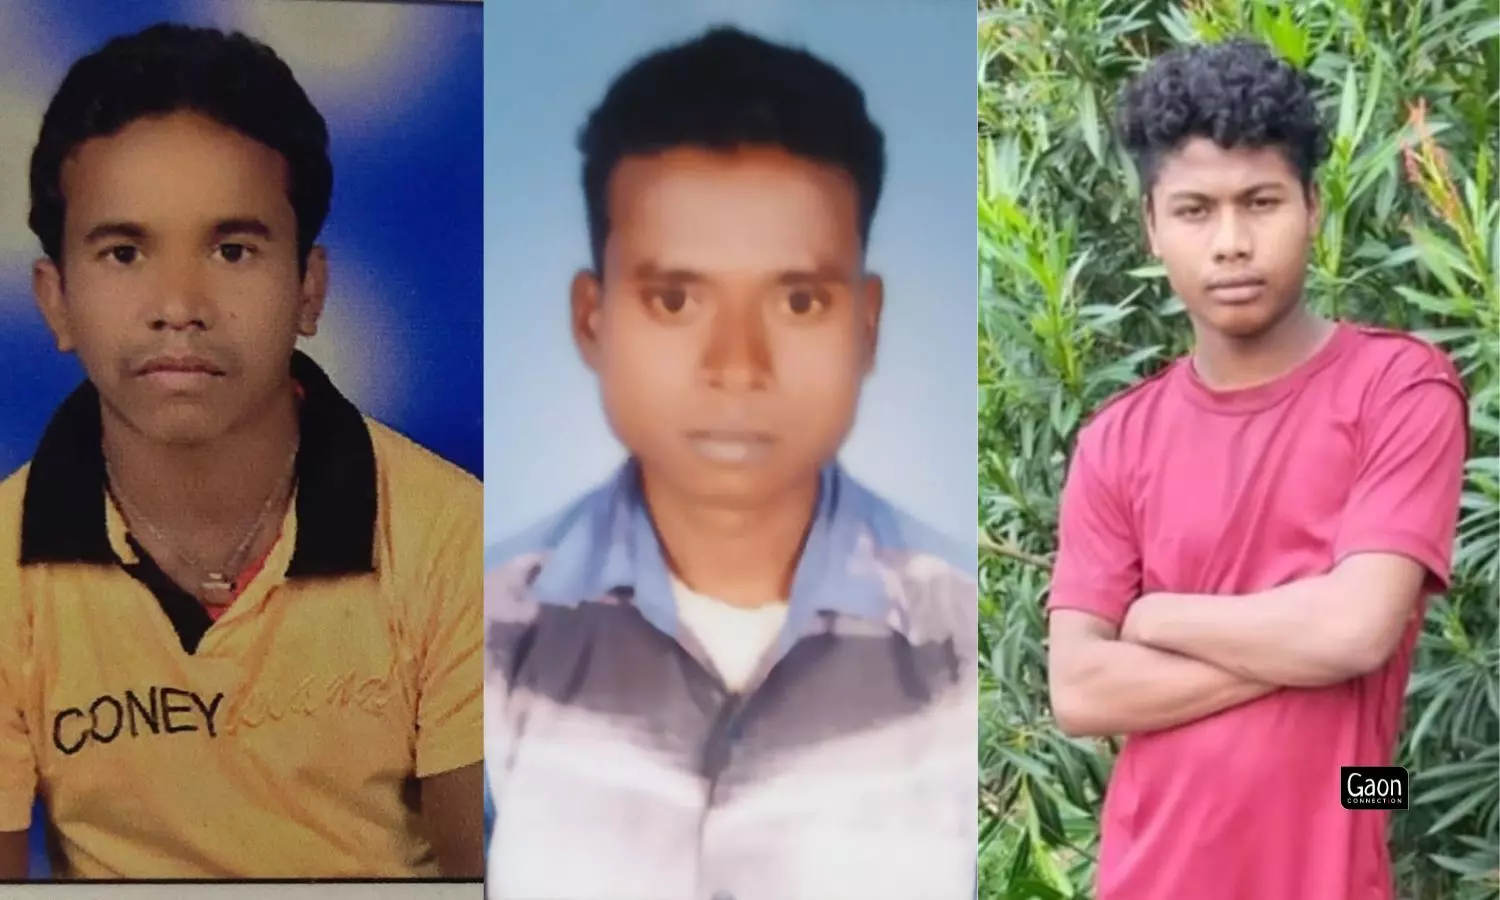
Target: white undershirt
[734, 637]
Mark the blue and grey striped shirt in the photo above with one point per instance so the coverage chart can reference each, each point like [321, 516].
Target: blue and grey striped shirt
[621, 768]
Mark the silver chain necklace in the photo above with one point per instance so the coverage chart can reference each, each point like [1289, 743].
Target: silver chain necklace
[218, 584]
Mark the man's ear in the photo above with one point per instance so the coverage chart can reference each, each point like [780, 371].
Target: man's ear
[873, 289]
[314, 292]
[586, 296]
[47, 288]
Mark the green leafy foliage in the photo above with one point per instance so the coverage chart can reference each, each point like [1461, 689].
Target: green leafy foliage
[1071, 310]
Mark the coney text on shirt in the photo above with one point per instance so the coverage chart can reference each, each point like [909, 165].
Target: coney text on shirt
[162, 709]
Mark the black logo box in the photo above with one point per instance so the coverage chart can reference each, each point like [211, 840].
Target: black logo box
[1374, 787]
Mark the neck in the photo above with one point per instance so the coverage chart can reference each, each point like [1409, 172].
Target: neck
[1226, 362]
[204, 487]
[745, 556]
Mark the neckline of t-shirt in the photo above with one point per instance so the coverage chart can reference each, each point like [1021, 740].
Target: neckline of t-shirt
[1260, 397]
[771, 609]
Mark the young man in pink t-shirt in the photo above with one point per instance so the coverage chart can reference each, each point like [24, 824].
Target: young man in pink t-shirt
[1247, 539]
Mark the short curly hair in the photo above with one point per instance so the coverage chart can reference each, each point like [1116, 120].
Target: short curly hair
[724, 90]
[233, 79]
[1236, 93]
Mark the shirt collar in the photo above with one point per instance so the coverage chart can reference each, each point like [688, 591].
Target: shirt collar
[610, 547]
[63, 513]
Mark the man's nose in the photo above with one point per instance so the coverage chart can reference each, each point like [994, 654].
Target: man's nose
[738, 354]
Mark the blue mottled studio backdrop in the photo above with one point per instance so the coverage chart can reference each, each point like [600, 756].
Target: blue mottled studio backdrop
[400, 85]
[915, 436]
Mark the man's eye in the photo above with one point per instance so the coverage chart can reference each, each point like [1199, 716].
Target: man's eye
[233, 253]
[805, 301]
[123, 254]
[670, 300]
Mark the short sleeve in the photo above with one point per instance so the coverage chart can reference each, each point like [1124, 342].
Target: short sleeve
[18, 764]
[1411, 466]
[1098, 565]
[450, 709]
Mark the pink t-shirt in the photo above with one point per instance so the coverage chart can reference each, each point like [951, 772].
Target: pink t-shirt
[1176, 487]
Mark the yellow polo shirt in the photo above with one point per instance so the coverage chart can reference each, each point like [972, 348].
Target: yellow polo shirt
[284, 740]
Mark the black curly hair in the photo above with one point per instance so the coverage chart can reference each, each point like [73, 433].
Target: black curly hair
[233, 79]
[728, 89]
[1236, 93]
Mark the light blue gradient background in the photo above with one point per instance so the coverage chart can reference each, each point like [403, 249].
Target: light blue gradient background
[547, 64]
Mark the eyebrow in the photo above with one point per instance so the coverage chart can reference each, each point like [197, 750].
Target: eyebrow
[129, 231]
[821, 274]
[650, 271]
[243, 225]
[134, 231]
[1252, 189]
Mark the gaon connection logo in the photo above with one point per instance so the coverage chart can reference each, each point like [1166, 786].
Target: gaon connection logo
[1374, 787]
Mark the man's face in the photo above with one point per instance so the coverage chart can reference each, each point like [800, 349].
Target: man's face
[734, 324]
[179, 287]
[1232, 228]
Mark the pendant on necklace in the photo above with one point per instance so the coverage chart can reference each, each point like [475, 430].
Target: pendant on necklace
[217, 582]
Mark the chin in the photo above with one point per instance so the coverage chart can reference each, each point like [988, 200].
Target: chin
[1243, 322]
[724, 487]
[718, 486]
[184, 437]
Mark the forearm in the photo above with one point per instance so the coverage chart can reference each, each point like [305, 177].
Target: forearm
[14, 853]
[1297, 635]
[1113, 687]
[453, 806]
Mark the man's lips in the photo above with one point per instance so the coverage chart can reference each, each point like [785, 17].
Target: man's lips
[1246, 281]
[179, 365]
[1236, 290]
[731, 446]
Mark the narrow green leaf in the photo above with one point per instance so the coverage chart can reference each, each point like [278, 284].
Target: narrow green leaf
[1088, 123]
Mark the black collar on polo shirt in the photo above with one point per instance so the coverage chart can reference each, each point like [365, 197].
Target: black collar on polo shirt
[62, 517]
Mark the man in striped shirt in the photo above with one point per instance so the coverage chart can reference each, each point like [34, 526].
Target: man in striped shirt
[731, 671]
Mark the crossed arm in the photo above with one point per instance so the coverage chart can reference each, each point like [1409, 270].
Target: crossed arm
[1122, 667]
[1180, 657]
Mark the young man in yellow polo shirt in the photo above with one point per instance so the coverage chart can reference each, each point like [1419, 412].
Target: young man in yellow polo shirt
[240, 623]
